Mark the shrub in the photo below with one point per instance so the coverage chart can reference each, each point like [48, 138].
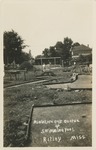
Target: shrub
[26, 65]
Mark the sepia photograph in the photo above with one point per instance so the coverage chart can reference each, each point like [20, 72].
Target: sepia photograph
[47, 73]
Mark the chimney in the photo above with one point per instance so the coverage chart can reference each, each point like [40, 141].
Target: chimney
[88, 45]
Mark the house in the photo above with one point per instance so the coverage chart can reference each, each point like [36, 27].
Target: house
[76, 51]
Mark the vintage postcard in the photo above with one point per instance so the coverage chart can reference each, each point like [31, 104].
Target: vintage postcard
[47, 74]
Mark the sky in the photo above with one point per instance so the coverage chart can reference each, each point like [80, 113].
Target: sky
[41, 23]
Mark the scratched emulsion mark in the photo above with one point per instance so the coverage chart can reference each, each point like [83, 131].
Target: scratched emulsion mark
[68, 125]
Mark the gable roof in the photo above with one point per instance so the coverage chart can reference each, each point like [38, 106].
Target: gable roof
[81, 47]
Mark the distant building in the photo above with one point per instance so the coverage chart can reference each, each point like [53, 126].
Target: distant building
[48, 60]
[76, 51]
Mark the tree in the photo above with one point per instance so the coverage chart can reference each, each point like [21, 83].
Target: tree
[38, 56]
[13, 46]
[75, 44]
[53, 52]
[46, 52]
[67, 47]
[25, 56]
[63, 49]
[26, 65]
[59, 48]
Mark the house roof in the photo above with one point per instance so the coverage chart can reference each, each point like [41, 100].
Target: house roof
[81, 47]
